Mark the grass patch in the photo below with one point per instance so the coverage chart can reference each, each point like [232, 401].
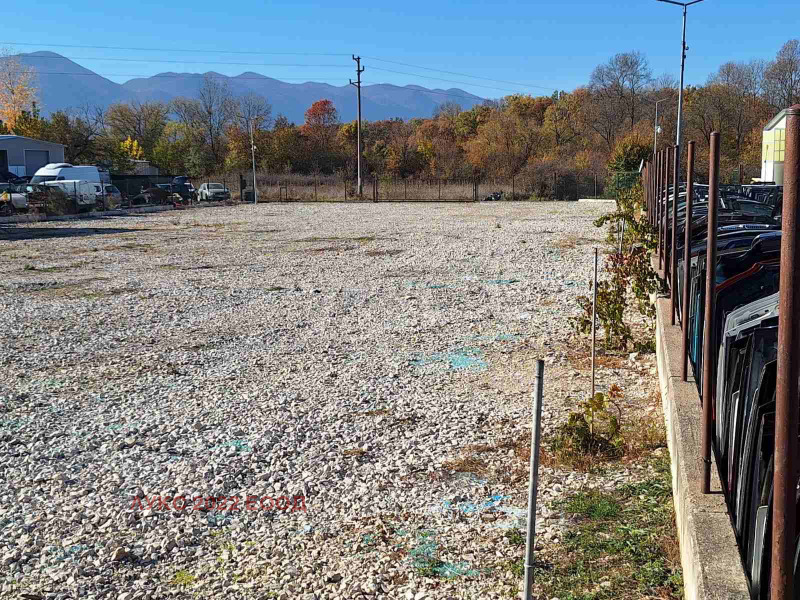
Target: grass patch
[623, 544]
[515, 537]
[183, 578]
[593, 505]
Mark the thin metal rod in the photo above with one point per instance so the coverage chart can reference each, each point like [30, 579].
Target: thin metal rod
[594, 320]
[786, 405]
[533, 484]
[673, 246]
[667, 245]
[708, 328]
[687, 254]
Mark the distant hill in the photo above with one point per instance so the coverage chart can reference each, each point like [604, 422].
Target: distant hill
[65, 84]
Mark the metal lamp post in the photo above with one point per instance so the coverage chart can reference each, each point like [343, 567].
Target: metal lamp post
[684, 48]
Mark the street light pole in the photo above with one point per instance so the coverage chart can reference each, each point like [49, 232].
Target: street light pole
[684, 48]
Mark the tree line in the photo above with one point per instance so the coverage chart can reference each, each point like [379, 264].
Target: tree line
[607, 124]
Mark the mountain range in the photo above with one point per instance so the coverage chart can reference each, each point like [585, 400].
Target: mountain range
[64, 84]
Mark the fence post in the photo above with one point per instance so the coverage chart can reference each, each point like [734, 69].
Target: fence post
[659, 204]
[440, 188]
[512, 187]
[673, 286]
[667, 249]
[687, 253]
[786, 407]
[708, 328]
[315, 188]
[405, 189]
[533, 485]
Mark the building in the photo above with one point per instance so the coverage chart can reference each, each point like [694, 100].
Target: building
[773, 145]
[24, 156]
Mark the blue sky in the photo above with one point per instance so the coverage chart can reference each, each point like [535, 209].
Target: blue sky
[545, 43]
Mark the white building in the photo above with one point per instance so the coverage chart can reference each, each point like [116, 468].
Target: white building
[773, 145]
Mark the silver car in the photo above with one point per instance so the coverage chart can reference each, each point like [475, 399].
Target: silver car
[12, 199]
[213, 192]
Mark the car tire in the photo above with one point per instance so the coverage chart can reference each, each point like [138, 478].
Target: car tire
[7, 210]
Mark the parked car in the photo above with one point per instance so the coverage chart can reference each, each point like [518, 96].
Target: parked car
[83, 193]
[12, 199]
[184, 188]
[213, 192]
[111, 198]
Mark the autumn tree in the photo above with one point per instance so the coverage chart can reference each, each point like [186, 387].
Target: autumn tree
[782, 77]
[17, 89]
[320, 130]
[141, 121]
[618, 89]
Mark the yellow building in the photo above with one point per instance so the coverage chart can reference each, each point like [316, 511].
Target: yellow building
[773, 145]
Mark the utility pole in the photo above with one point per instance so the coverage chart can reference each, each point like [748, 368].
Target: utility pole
[253, 150]
[359, 71]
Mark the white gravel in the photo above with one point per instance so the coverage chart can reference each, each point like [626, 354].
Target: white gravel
[345, 353]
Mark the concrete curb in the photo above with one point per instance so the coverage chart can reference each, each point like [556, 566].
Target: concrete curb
[32, 218]
[595, 200]
[712, 568]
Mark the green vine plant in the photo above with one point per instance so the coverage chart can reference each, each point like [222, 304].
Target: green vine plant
[595, 429]
[630, 278]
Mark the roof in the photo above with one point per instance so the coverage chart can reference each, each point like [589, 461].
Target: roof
[22, 137]
[775, 120]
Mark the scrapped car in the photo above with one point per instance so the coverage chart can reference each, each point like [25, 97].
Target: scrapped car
[213, 192]
[13, 198]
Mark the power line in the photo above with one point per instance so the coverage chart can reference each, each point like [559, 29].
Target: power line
[172, 49]
[459, 74]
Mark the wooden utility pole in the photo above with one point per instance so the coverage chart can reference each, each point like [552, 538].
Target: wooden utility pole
[359, 71]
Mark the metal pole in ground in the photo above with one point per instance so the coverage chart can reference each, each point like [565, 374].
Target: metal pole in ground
[594, 329]
[786, 406]
[708, 328]
[687, 254]
[533, 483]
[673, 267]
[664, 237]
[659, 198]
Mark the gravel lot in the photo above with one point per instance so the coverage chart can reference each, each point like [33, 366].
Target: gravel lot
[376, 359]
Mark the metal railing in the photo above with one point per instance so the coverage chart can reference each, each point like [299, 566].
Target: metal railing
[658, 180]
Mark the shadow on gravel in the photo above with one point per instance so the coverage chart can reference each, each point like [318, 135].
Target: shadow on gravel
[13, 234]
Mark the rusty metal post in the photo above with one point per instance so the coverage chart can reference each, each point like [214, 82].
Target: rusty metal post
[660, 195]
[667, 241]
[687, 254]
[708, 328]
[786, 405]
[662, 223]
[673, 267]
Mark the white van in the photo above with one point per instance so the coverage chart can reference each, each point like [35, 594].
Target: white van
[68, 172]
[84, 193]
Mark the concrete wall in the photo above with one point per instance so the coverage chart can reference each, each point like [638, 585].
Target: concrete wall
[712, 567]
